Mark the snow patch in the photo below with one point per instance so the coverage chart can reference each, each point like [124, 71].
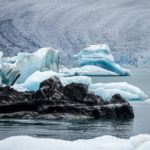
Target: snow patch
[107, 142]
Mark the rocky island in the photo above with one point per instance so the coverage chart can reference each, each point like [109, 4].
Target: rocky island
[55, 101]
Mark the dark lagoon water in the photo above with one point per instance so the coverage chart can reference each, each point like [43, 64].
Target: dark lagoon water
[85, 129]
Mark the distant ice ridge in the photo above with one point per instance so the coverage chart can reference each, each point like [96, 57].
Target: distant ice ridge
[25, 64]
[106, 90]
[100, 55]
[107, 142]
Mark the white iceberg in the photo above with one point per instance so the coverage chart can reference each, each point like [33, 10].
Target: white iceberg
[41, 60]
[100, 55]
[87, 70]
[32, 83]
[76, 79]
[107, 90]
[107, 142]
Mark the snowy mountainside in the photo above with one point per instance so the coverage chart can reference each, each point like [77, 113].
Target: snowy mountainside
[71, 25]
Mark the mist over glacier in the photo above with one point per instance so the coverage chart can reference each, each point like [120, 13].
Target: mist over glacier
[71, 25]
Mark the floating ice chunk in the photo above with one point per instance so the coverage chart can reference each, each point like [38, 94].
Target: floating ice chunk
[76, 79]
[32, 83]
[9, 73]
[41, 60]
[100, 143]
[100, 55]
[87, 70]
[107, 90]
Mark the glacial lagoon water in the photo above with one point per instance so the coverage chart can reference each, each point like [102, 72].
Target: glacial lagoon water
[86, 129]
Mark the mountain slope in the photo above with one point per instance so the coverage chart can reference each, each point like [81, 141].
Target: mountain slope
[70, 25]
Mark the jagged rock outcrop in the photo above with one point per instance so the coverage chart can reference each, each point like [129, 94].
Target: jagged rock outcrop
[55, 101]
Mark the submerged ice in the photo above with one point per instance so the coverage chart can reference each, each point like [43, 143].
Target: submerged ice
[107, 142]
[100, 55]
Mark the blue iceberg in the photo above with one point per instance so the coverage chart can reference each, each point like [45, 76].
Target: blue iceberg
[100, 55]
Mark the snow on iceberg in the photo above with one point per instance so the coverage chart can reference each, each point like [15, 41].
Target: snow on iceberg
[107, 142]
[87, 70]
[41, 60]
[107, 90]
[100, 55]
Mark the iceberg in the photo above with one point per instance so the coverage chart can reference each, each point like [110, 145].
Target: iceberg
[126, 90]
[100, 55]
[41, 60]
[25, 64]
[106, 142]
[32, 83]
[87, 70]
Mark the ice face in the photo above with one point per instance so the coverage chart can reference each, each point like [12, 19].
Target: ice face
[41, 60]
[99, 55]
[107, 142]
[87, 70]
[107, 90]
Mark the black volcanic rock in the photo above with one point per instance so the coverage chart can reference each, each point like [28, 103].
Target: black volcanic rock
[55, 101]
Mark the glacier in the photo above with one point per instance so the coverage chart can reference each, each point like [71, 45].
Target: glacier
[100, 55]
[123, 25]
[126, 90]
[106, 142]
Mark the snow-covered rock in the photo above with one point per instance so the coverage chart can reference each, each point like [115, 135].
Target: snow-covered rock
[126, 90]
[41, 60]
[87, 70]
[107, 142]
[101, 56]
